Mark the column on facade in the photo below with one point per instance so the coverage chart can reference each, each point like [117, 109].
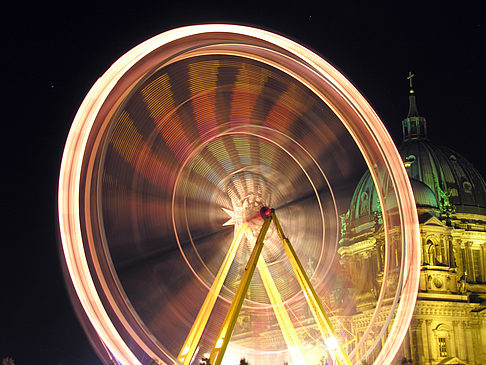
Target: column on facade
[475, 334]
[452, 259]
[425, 341]
[483, 264]
[459, 263]
[468, 265]
[469, 343]
[356, 267]
[454, 339]
[379, 256]
[367, 274]
[407, 353]
[444, 250]
[393, 252]
[482, 338]
[461, 342]
[430, 341]
[417, 341]
[425, 257]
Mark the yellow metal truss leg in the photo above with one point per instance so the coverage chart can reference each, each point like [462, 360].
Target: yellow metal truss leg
[288, 330]
[224, 336]
[187, 352]
[315, 305]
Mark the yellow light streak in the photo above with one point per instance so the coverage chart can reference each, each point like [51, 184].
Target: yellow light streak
[218, 150]
[202, 318]
[126, 138]
[203, 76]
[158, 96]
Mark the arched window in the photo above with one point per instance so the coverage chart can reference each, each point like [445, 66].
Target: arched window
[443, 338]
[435, 252]
[364, 204]
[430, 252]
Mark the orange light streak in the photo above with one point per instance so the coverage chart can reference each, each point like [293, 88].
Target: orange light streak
[174, 136]
[205, 114]
[70, 229]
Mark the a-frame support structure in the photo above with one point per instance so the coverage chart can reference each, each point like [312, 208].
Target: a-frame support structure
[288, 331]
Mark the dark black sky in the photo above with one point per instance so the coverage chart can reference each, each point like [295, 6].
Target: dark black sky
[52, 55]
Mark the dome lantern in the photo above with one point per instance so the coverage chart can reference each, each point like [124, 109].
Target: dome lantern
[414, 126]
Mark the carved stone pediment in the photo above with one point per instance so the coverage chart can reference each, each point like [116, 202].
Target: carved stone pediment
[434, 221]
[452, 360]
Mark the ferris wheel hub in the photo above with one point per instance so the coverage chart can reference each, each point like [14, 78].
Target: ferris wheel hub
[265, 212]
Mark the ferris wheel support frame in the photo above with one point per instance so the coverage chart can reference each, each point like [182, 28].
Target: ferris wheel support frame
[320, 316]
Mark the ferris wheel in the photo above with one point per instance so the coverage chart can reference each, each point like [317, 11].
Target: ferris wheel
[199, 200]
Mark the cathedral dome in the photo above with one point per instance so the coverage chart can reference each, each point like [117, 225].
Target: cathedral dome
[457, 185]
[441, 179]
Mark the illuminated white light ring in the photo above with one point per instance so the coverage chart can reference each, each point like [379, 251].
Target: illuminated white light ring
[70, 174]
[69, 222]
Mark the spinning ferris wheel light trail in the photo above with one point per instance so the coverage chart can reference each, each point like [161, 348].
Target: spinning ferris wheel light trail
[207, 121]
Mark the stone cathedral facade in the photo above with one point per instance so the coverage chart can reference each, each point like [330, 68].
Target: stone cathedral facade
[449, 322]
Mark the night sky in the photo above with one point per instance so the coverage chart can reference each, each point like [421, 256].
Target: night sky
[51, 56]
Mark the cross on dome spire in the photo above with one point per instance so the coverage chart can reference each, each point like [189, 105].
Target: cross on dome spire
[409, 78]
[412, 105]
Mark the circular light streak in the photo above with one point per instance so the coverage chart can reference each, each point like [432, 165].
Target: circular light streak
[99, 291]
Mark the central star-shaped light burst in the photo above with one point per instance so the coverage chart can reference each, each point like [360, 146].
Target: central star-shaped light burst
[244, 211]
[232, 219]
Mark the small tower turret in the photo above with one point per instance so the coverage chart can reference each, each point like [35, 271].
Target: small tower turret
[414, 126]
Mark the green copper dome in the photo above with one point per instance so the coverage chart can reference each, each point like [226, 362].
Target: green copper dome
[442, 180]
[457, 185]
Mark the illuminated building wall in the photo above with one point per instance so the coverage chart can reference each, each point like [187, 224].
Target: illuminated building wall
[449, 322]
